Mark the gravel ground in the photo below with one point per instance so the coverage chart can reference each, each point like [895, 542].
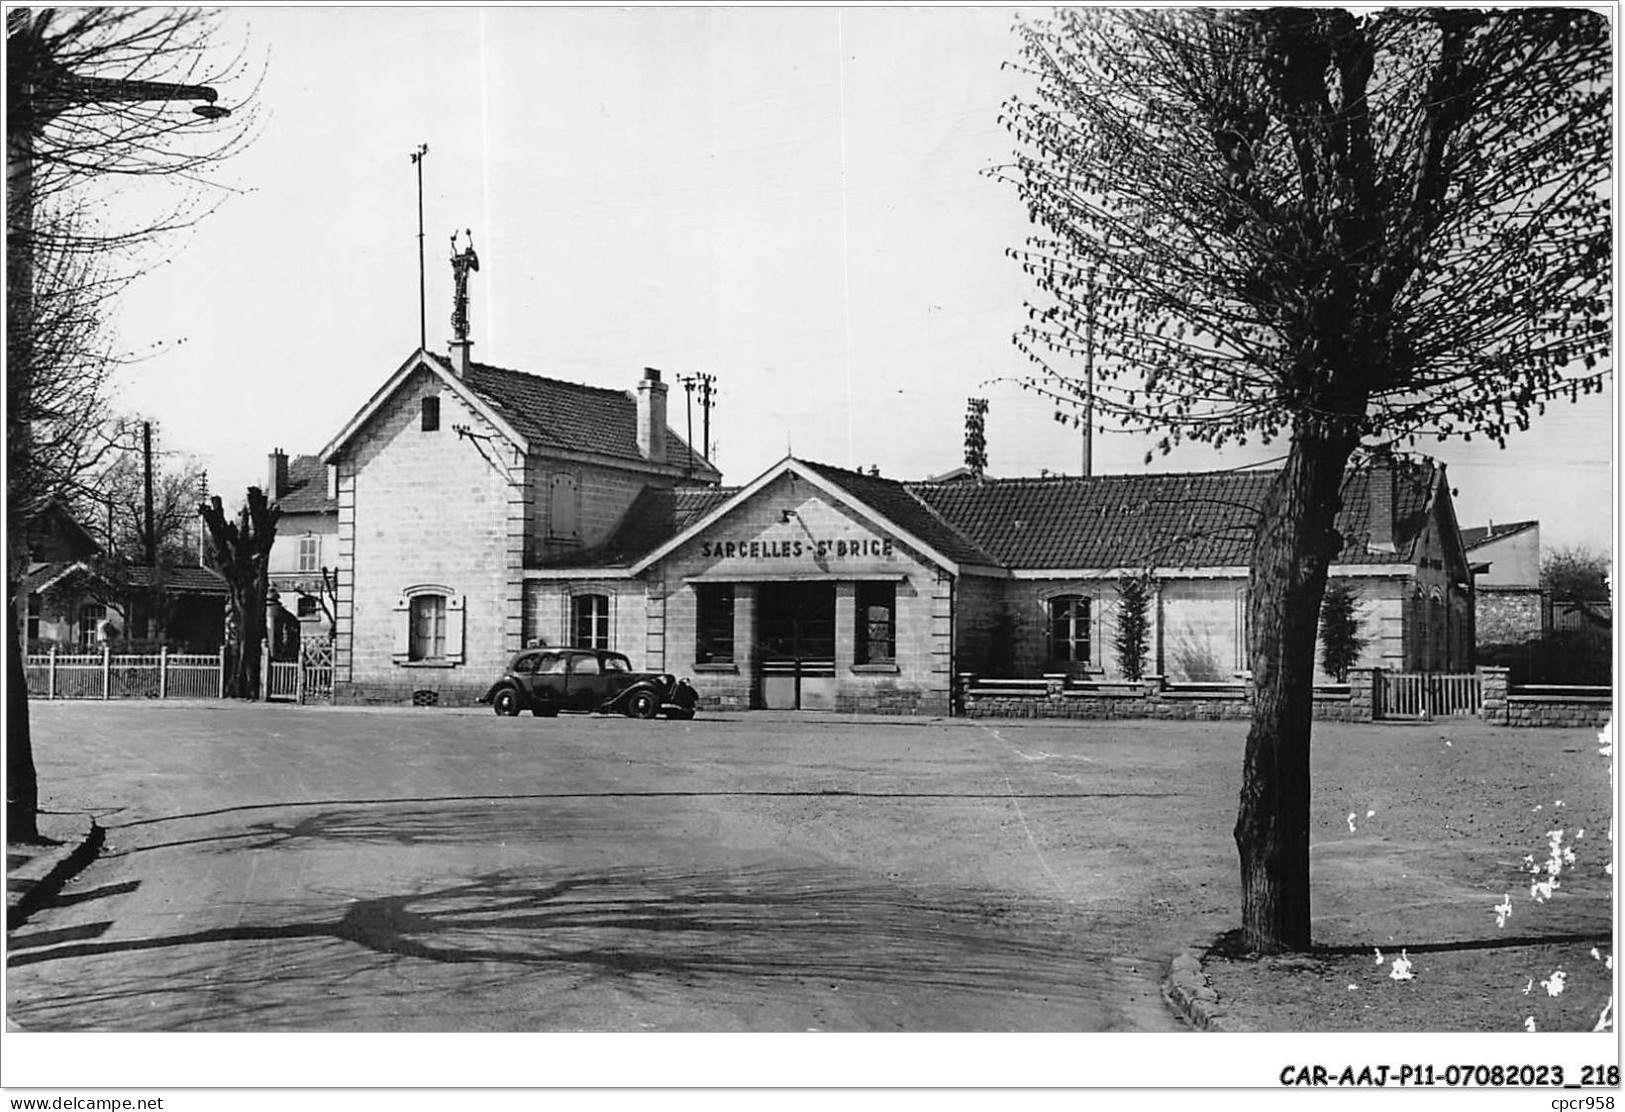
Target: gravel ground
[1428, 857]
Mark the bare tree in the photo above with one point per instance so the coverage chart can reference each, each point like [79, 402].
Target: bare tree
[241, 553]
[91, 95]
[1353, 231]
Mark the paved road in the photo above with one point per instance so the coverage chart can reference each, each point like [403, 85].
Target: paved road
[321, 869]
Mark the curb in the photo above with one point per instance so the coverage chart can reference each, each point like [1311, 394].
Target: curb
[1186, 989]
[65, 868]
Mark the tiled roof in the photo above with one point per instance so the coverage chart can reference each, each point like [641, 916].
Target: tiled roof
[1484, 534]
[898, 504]
[572, 417]
[42, 575]
[306, 492]
[1198, 520]
[655, 517]
[185, 580]
[1176, 520]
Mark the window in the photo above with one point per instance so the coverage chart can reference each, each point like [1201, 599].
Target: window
[31, 631]
[431, 414]
[306, 607]
[714, 623]
[591, 621]
[561, 507]
[428, 627]
[91, 617]
[1069, 630]
[1243, 651]
[877, 623]
[583, 665]
[310, 552]
[551, 664]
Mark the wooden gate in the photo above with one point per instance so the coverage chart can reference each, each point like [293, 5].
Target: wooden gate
[1420, 695]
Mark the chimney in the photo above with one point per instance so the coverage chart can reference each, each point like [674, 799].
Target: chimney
[276, 478]
[1381, 518]
[458, 351]
[652, 416]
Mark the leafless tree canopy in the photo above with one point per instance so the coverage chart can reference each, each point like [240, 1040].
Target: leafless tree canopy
[98, 96]
[1397, 221]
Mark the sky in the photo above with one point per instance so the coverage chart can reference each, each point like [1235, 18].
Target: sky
[792, 200]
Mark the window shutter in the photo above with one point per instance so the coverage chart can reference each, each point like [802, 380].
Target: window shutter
[401, 625]
[454, 628]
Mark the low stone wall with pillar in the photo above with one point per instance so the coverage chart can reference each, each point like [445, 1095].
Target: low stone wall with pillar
[1541, 705]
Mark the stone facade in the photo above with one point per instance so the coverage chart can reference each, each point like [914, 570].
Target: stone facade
[1509, 615]
[441, 508]
[787, 533]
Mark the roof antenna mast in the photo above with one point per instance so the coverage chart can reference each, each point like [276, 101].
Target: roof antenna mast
[423, 306]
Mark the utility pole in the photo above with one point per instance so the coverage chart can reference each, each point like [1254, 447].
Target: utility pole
[708, 391]
[1089, 386]
[150, 535]
[688, 391]
[423, 305]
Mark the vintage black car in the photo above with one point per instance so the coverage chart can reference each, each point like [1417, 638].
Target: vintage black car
[546, 681]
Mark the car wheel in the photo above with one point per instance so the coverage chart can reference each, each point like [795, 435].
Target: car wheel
[506, 702]
[642, 704]
[677, 713]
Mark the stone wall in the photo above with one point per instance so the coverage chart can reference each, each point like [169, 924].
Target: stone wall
[1504, 705]
[1151, 698]
[1508, 615]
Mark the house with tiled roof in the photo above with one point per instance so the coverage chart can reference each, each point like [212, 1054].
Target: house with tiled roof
[74, 597]
[451, 484]
[481, 510]
[304, 555]
[814, 586]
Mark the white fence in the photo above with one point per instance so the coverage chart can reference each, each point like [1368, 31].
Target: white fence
[109, 675]
[166, 675]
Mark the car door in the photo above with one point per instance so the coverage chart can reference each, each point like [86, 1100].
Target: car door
[548, 679]
[586, 686]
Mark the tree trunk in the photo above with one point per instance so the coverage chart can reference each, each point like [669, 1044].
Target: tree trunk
[1293, 547]
[22, 780]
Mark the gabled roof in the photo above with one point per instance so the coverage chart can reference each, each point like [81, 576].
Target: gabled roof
[1195, 520]
[41, 577]
[897, 502]
[1484, 534]
[537, 413]
[306, 492]
[1108, 522]
[56, 514]
[655, 516]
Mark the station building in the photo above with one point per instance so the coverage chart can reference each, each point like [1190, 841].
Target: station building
[481, 510]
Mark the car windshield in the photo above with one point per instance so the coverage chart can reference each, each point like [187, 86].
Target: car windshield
[617, 664]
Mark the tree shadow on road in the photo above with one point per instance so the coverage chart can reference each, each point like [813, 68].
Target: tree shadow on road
[655, 932]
